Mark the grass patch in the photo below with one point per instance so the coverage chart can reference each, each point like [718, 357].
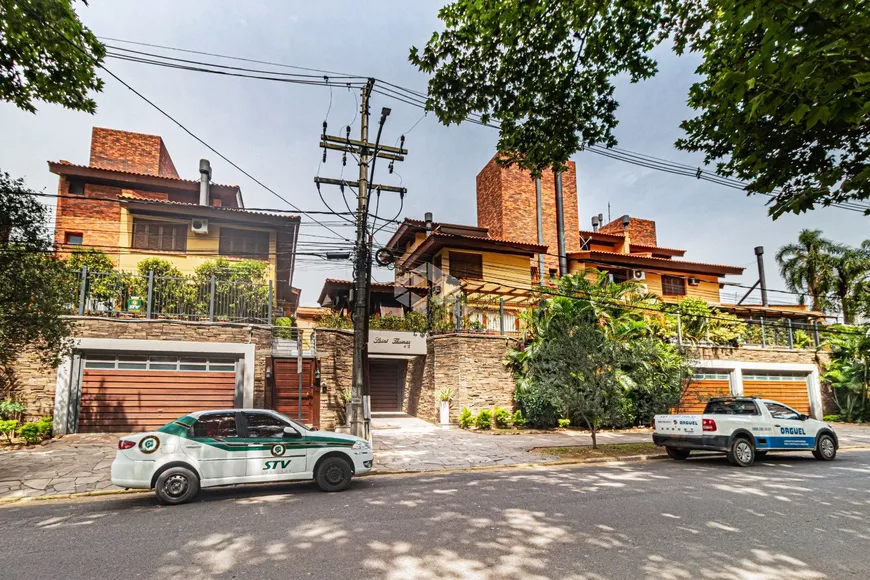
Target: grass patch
[608, 450]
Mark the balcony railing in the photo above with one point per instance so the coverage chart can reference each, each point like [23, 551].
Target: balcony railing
[123, 295]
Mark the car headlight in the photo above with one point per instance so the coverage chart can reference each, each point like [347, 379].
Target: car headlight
[361, 444]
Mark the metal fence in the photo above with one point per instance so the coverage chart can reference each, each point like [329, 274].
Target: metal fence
[758, 332]
[119, 294]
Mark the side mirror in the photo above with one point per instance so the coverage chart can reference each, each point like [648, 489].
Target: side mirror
[804, 417]
[292, 433]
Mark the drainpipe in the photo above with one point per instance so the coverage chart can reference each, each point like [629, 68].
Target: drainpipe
[560, 226]
[204, 177]
[759, 256]
[428, 217]
[540, 230]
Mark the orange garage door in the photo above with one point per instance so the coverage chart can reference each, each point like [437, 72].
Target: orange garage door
[141, 393]
[787, 389]
[701, 389]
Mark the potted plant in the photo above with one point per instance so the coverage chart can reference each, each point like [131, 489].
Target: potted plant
[346, 397]
[444, 396]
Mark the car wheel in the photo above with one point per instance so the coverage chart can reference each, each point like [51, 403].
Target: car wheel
[742, 452]
[760, 454]
[826, 449]
[176, 485]
[678, 454]
[333, 474]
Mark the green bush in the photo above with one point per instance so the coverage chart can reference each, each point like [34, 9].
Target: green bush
[9, 409]
[517, 419]
[832, 418]
[802, 339]
[564, 423]
[538, 408]
[31, 433]
[284, 326]
[7, 428]
[502, 418]
[483, 421]
[465, 418]
[46, 424]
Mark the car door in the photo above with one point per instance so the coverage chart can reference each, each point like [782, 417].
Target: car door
[216, 445]
[790, 430]
[273, 452]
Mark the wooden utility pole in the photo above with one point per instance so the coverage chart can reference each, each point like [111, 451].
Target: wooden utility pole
[362, 257]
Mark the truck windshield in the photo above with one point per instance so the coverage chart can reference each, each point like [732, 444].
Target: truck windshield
[731, 408]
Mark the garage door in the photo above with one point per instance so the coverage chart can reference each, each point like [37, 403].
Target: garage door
[121, 393]
[384, 384]
[702, 388]
[788, 389]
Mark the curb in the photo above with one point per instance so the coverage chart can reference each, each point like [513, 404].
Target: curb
[95, 493]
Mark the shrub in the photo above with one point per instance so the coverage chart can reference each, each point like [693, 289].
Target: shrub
[517, 419]
[46, 425]
[31, 433]
[832, 418]
[445, 395]
[502, 418]
[285, 327]
[564, 423]
[802, 339]
[465, 418]
[538, 407]
[7, 428]
[483, 421]
[10, 409]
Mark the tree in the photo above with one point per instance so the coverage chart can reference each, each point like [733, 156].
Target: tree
[36, 289]
[782, 98]
[851, 278]
[849, 370]
[47, 54]
[808, 266]
[102, 286]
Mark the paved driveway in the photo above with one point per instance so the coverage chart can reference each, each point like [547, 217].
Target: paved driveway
[81, 463]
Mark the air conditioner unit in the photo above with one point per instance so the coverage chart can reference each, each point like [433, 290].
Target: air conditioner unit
[694, 281]
[638, 274]
[199, 226]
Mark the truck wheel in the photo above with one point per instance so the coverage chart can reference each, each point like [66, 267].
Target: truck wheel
[176, 485]
[825, 449]
[678, 454]
[333, 474]
[742, 452]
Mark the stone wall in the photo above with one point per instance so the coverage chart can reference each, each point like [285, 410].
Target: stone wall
[36, 383]
[335, 357]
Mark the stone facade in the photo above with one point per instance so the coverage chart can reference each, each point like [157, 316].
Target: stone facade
[765, 355]
[507, 205]
[335, 357]
[36, 384]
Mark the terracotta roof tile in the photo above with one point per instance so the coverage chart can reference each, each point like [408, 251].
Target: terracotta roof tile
[133, 197]
[68, 164]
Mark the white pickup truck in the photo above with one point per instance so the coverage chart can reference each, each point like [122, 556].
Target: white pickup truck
[744, 428]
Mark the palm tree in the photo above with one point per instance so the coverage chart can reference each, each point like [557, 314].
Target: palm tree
[851, 278]
[808, 266]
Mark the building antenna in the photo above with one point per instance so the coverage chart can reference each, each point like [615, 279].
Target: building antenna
[608, 212]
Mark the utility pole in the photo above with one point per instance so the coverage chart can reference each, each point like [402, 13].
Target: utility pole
[366, 152]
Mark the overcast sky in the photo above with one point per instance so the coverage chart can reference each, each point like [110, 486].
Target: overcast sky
[272, 129]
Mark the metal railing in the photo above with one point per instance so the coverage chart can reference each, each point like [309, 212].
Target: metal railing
[287, 340]
[492, 318]
[120, 294]
[757, 332]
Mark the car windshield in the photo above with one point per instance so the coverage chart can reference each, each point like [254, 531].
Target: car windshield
[731, 408]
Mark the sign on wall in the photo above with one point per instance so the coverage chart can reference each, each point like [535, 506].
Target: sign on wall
[396, 342]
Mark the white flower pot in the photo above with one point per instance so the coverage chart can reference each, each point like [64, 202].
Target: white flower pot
[445, 412]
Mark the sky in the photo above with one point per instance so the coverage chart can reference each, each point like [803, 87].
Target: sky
[272, 130]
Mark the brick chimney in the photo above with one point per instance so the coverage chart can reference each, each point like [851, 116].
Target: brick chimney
[506, 204]
[134, 152]
[640, 231]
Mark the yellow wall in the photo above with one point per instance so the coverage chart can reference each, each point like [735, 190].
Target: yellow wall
[707, 288]
[509, 270]
[201, 248]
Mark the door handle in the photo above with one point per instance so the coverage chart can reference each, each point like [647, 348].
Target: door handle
[776, 425]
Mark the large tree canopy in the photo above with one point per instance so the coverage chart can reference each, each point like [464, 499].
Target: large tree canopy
[782, 102]
[46, 54]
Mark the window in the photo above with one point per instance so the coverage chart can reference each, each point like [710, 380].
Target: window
[160, 363]
[673, 286]
[534, 274]
[466, 266]
[76, 188]
[264, 426]
[215, 425]
[778, 411]
[620, 276]
[731, 408]
[710, 377]
[553, 273]
[244, 243]
[74, 239]
[151, 235]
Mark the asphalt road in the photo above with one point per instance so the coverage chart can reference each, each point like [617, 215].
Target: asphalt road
[790, 517]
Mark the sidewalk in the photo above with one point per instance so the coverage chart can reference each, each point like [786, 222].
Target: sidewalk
[81, 463]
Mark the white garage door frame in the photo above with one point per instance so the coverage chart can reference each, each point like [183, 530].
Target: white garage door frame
[63, 393]
[736, 368]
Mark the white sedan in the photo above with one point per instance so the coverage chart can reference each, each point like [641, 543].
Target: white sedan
[211, 448]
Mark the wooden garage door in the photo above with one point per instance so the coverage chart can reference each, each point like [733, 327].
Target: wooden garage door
[701, 389]
[384, 385]
[141, 393]
[789, 390]
[285, 390]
